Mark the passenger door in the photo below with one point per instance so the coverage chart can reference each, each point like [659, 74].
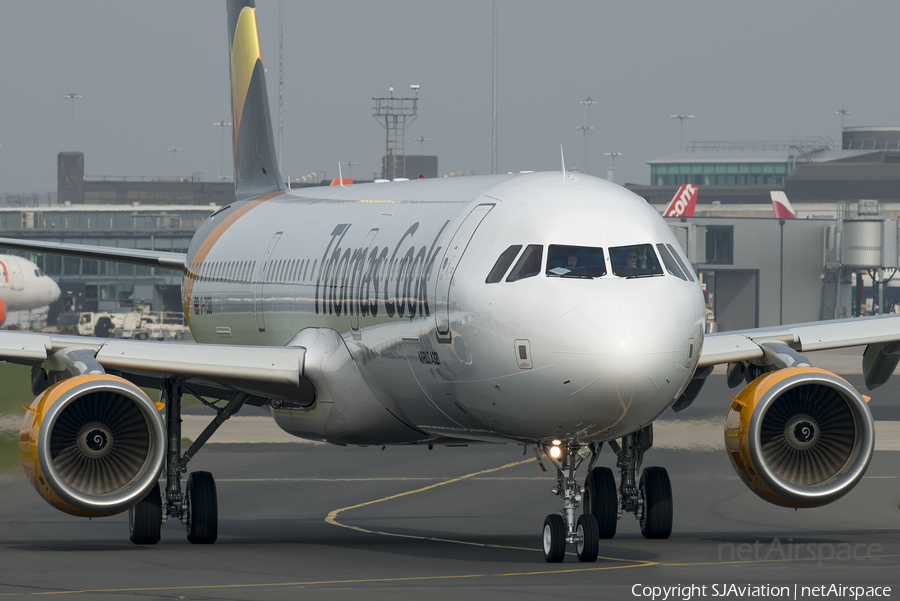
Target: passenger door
[450, 261]
[259, 283]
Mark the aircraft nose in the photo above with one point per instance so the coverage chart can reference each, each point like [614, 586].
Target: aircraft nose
[52, 290]
[628, 341]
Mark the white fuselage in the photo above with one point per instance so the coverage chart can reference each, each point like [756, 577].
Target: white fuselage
[23, 286]
[399, 270]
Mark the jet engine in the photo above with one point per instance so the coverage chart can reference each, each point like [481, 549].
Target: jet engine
[93, 445]
[800, 436]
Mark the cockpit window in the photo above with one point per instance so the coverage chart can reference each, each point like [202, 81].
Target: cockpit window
[635, 261]
[575, 261]
[502, 264]
[686, 269]
[529, 264]
[669, 261]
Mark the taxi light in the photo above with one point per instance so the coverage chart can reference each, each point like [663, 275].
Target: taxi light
[555, 452]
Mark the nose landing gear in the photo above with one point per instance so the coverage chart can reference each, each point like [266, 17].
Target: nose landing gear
[650, 499]
[561, 529]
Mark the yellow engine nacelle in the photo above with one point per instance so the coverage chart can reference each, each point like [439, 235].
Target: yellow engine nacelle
[93, 445]
[800, 436]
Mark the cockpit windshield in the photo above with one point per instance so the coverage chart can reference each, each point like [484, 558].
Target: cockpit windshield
[635, 261]
[575, 262]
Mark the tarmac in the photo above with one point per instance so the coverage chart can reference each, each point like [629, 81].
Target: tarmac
[316, 521]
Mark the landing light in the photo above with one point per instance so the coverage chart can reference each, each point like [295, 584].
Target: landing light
[555, 452]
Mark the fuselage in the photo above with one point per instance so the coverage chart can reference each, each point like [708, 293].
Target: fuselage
[23, 286]
[407, 273]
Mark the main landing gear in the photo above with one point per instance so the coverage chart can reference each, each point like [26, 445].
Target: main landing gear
[197, 507]
[650, 500]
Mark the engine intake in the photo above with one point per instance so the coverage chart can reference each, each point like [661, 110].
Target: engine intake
[800, 437]
[93, 445]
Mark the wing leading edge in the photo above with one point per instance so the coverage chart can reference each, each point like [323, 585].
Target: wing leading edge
[271, 372]
[879, 333]
[133, 256]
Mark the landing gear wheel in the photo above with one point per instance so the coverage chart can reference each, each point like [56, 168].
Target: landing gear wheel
[145, 518]
[600, 500]
[202, 509]
[656, 490]
[554, 538]
[589, 545]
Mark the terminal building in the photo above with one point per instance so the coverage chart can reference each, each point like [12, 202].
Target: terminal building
[143, 213]
[864, 164]
[837, 260]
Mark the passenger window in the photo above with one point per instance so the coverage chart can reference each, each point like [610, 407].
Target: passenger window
[575, 261]
[635, 261]
[502, 264]
[687, 270]
[529, 264]
[671, 266]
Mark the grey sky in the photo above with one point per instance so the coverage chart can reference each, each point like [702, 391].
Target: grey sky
[154, 75]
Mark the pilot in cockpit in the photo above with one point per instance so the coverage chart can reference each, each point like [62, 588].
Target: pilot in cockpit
[572, 262]
[631, 258]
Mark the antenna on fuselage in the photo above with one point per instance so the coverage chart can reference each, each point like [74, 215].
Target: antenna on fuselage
[340, 176]
[562, 157]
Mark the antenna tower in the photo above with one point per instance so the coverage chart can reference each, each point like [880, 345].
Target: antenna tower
[395, 115]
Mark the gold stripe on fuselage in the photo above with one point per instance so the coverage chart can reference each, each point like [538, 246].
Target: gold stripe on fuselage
[206, 246]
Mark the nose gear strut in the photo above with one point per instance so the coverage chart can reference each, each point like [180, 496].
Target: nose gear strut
[561, 529]
[649, 499]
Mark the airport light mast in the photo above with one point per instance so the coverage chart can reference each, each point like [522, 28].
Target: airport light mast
[174, 152]
[221, 124]
[396, 114]
[842, 112]
[349, 165]
[681, 118]
[494, 94]
[611, 170]
[421, 140]
[589, 102]
[584, 130]
[73, 97]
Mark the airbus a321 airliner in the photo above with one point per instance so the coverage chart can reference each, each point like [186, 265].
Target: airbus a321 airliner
[543, 309]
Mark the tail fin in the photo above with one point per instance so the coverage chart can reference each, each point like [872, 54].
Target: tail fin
[683, 203]
[782, 206]
[255, 162]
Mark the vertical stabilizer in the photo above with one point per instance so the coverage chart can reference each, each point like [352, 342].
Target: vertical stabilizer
[684, 202]
[255, 162]
[782, 206]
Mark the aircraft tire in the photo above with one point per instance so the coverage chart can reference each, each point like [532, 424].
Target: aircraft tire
[203, 511]
[656, 491]
[589, 546]
[145, 519]
[554, 538]
[601, 501]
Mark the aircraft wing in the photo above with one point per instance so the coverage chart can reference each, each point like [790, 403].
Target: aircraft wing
[881, 335]
[147, 258]
[269, 372]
